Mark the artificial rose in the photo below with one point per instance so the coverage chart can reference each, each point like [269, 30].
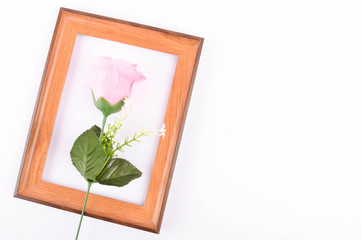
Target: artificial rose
[113, 79]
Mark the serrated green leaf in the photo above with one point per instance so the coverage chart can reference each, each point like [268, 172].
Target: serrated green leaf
[88, 155]
[105, 107]
[96, 130]
[118, 172]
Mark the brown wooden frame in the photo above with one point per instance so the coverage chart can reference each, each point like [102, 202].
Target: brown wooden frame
[30, 185]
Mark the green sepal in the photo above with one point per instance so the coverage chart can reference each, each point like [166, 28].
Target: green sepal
[105, 107]
[118, 172]
[87, 155]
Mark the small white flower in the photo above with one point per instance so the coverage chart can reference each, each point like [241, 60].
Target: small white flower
[127, 107]
[163, 131]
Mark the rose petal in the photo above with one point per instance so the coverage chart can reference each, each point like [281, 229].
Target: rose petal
[113, 79]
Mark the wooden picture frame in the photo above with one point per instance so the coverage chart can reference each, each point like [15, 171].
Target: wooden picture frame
[30, 185]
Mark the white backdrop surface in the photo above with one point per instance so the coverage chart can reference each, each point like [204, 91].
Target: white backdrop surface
[272, 143]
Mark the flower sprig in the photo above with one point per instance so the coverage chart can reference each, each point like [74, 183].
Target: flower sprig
[108, 138]
[112, 132]
[110, 146]
[136, 137]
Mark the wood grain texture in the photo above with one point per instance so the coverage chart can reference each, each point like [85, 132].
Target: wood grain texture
[30, 185]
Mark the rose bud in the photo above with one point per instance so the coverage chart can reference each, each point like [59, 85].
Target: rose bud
[111, 81]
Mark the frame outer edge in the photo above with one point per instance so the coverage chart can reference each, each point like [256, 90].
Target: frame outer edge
[131, 23]
[178, 142]
[41, 87]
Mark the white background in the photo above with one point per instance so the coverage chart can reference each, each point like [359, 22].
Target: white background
[272, 144]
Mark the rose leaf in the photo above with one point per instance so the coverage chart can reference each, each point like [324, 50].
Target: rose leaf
[88, 155]
[118, 172]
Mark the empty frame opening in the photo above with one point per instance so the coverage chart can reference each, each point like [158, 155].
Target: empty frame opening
[77, 113]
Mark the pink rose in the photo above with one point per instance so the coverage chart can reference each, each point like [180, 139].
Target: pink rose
[113, 79]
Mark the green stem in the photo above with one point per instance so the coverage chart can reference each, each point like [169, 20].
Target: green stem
[103, 124]
[126, 143]
[85, 203]
[104, 164]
